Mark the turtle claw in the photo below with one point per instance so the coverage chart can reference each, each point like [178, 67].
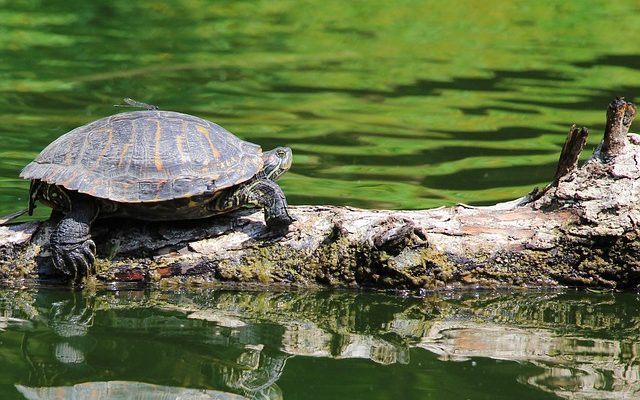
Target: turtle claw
[59, 262]
[75, 260]
[72, 250]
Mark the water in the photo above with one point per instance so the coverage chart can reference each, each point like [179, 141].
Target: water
[322, 345]
[402, 104]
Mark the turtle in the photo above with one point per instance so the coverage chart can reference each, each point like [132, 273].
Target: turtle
[149, 165]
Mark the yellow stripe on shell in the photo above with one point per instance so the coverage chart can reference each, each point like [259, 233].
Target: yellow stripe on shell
[207, 134]
[157, 159]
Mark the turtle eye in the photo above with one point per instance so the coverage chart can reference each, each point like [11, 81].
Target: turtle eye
[281, 153]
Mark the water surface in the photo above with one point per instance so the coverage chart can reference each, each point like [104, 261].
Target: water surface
[401, 104]
[387, 104]
[320, 345]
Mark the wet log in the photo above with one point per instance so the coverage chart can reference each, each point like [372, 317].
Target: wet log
[581, 230]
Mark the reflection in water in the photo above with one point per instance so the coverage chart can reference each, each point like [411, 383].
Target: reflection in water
[122, 390]
[215, 343]
[573, 367]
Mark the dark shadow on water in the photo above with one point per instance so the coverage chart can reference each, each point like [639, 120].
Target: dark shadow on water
[354, 138]
[495, 83]
[504, 133]
[598, 101]
[340, 201]
[424, 87]
[485, 110]
[424, 157]
[616, 60]
[366, 34]
[346, 139]
[455, 153]
[485, 178]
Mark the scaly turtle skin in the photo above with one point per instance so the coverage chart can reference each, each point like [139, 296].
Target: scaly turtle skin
[150, 165]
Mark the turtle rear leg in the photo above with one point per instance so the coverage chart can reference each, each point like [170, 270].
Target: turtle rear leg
[72, 250]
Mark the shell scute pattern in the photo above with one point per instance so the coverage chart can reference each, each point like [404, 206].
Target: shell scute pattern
[146, 156]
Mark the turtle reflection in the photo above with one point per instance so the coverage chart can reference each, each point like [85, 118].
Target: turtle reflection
[66, 346]
[121, 390]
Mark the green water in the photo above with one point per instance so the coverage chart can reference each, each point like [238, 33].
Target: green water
[321, 345]
[386, 104]
[398, 104]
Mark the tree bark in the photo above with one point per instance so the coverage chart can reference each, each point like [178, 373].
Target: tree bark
[582, 229]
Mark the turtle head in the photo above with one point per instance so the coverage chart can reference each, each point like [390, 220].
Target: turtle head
[276, 162]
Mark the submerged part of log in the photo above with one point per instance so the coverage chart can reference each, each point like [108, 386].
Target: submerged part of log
[581, 230]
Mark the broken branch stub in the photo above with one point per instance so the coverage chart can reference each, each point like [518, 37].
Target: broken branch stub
[620, 115]
[571, 150]
[568, 161]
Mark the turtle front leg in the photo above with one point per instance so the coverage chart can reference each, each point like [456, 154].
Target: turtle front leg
[268, 195]
[72, 250]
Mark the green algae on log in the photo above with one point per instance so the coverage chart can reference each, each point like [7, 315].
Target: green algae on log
[580, 230]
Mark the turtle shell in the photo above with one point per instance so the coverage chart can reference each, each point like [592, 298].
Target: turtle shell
[146, 156]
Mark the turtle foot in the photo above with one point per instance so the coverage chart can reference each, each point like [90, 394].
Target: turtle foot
[74, 259]
[280, 224]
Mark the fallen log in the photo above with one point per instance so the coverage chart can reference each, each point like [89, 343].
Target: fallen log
[582, 230]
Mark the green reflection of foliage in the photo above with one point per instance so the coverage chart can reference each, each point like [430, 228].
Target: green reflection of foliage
[373, 97]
